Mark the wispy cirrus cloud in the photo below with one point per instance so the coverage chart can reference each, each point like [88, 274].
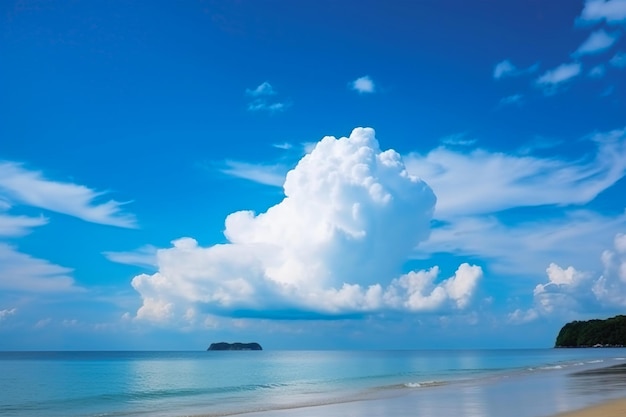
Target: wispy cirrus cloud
[144, 256]
[262, 99]
[536, 243]
[363, 85]
[598, 42]
[24, 273]
[19, 225]
[515, 181]
[268, 174]
[31, 188]
[284, 146]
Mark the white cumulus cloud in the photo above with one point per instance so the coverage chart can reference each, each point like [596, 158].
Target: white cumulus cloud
[350, 217]
[570, 291]
[599, 41]
[363, 85]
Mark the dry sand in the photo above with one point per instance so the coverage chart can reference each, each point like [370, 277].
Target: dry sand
[608, 409]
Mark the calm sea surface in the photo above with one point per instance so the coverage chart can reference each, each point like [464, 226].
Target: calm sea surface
[223, 383]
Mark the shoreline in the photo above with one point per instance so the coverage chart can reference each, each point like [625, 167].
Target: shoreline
[594, 391]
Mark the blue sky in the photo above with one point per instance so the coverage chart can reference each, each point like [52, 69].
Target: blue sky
[429, 174]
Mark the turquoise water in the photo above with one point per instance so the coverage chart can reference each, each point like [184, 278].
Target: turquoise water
[222, 383]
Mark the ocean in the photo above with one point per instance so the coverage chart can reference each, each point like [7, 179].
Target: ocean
[379, 383]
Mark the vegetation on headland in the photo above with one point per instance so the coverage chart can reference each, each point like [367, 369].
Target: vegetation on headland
[593, 333]
[234, 346]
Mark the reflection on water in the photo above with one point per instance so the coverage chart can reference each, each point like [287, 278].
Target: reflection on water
[611, 379]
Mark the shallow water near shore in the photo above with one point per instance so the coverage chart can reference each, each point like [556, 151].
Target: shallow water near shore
[521, 383]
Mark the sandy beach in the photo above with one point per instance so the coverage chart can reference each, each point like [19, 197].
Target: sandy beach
[615, 408]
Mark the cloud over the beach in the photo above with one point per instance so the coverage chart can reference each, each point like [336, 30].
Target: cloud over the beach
[569, 290]
[334, 246]
[363, 85]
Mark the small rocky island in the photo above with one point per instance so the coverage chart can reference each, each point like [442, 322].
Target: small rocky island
[235, 346]
[593, 333]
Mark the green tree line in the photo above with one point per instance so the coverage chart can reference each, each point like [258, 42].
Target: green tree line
[609, 332]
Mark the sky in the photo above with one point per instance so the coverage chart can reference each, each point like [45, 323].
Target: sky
[431, 174]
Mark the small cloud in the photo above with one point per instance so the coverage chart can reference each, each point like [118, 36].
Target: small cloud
[619, 60]
[284, 146]
[612, 11]
[506, 68]
[144, 256]
[261, 101]
[264, 89]
[43, 323]
[598, 71]
[512, 99]
[264, 105]
[7, 312]
[598, 42]
[552, 79]
[521, 316]
[363, 85]
[458, 139]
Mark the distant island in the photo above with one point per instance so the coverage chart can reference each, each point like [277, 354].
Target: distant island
[593, 333]
[234, 346]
